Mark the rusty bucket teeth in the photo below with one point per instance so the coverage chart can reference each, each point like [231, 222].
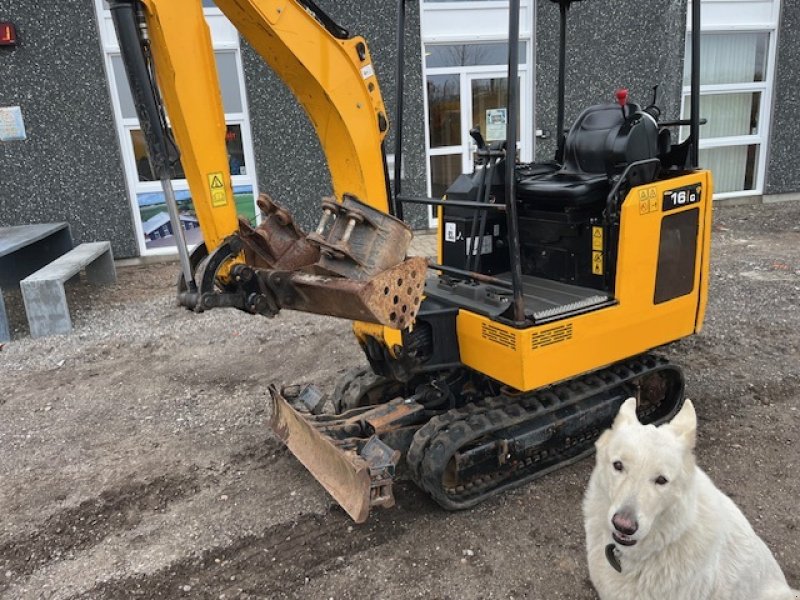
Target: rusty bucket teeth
[357, 475]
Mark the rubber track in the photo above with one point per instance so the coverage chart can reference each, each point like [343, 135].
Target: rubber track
[441, 437]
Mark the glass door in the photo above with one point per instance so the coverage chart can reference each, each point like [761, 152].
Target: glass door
[458, 102]
[488, 98]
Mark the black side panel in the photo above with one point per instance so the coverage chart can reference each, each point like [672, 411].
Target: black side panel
[677, 254]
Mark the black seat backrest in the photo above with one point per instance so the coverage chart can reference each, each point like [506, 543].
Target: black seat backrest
[602, 140]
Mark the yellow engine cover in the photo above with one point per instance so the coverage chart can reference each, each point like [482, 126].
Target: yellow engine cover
[537, 356]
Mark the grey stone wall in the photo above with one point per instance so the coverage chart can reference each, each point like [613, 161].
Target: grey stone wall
[783, 176]
[291, 165]
[69, 168]
[610, 45]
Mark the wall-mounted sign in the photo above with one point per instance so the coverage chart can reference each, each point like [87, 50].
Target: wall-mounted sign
[8, 34]
[12, 127]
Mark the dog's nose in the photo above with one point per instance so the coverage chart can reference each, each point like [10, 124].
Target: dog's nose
[625, 523]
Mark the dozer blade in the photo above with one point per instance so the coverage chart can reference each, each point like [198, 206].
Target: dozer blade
[356, 473]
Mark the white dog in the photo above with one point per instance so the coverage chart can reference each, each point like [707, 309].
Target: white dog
[658, 529]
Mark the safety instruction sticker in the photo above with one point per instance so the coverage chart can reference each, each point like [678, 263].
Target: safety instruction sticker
[597, 238]
[217, 186]
[597, 263]
[597, 250]
[648, 201]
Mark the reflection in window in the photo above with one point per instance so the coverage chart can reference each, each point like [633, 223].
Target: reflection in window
[728, 114]
[229, 81]
[227, 71]
[462, 55]
[233, 144]
[444, 171]
[734, 167]
[729, 58]
[444, 110]
[123, 89]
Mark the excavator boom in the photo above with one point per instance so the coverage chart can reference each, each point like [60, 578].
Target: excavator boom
[330, 74]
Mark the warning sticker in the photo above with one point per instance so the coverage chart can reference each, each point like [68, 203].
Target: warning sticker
[597, 238]
[648, 201]
[216, 183]
[597, 262]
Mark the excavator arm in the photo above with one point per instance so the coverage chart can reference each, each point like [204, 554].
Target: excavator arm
[354, 265]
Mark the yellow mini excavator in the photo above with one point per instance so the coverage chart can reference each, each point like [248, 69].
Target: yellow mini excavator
[507, 357]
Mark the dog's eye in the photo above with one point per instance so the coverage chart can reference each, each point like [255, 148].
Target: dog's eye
[618, 465]
[661, 480]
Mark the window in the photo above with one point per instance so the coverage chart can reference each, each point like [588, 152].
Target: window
[154, 228]
[464, 55]
[734, 88]
[233, 144]
[228, 81]
[466, 87]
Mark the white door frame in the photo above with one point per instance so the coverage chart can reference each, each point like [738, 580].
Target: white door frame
[472, 22]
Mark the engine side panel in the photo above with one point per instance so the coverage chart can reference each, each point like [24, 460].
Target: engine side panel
[530, 358]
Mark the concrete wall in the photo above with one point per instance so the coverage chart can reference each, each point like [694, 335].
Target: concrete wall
[783, 176]
[290, 162]
[69, 168]
[624, 43]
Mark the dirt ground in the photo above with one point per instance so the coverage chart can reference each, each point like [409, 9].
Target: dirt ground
[135, 461]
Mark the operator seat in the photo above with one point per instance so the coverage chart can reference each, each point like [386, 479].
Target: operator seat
[601, 143]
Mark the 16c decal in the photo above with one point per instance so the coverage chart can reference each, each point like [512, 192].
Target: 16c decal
[681, 197]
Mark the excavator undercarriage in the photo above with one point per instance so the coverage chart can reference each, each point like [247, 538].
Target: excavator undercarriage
[466, 444]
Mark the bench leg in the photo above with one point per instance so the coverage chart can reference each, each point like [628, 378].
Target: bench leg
[102, 269]
[46, 306]
[5, 330]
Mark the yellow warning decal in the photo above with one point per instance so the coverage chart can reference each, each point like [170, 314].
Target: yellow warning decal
[216, 183]
[597, 262]
[597, 238]
[597, 250]
[648, 201]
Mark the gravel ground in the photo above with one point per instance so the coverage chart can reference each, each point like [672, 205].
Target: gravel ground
[136, 462]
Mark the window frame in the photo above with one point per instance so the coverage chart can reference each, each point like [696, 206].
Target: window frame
[766, 88]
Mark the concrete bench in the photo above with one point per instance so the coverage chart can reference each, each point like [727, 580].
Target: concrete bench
[43, 291]
[25, 249]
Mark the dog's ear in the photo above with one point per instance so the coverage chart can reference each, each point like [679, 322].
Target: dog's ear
[626, 414]
[684, 424]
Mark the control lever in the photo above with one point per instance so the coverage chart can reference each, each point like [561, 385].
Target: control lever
[653, 110]
[475, 134]
[622, 100]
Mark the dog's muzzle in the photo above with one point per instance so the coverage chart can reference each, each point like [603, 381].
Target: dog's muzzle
[623, 539]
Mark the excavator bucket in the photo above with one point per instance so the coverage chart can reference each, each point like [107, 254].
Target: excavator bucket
[357, 473]
[354, 266]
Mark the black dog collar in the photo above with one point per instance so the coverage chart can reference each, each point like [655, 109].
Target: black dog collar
[611, 557]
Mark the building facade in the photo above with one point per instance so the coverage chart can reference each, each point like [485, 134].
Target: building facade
[83, 158]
